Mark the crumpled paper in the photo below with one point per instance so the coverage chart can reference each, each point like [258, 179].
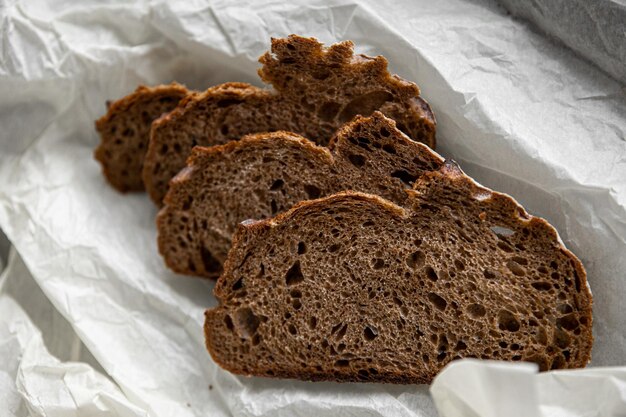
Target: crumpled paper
[596, 30]
[518, 112]
[44, 368]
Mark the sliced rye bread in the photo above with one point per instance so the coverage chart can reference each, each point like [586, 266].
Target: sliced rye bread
[264, 174]
[125, 132]
[352, 287]
[316, 90]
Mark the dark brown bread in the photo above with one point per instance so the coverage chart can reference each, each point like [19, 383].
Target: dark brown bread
[125, 132]
[352, 287]
[265, 174]
[316, 90]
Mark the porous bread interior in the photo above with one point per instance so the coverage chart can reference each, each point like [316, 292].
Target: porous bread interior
[353, 288]
[125, 132]
[317, 90]
[265, 174]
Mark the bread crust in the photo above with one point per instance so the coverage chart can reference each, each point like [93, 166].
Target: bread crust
[299, 69]
[120, 159]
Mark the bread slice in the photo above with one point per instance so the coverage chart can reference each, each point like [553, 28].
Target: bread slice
[316, 90]
[125, 131]
[264, 174]
[352, 287]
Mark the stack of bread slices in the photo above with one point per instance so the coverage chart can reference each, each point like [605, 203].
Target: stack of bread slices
[344, 247]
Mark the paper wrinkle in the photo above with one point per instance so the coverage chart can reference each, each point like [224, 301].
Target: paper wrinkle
[34, 382]
[517, 112]
[594, 30]
[521, 391]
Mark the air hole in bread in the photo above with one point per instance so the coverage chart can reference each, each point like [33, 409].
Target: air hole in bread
[384, 132]
[542, 286]
[313, 322]
[404, 176]
[516, 268]
[209, 262]
[431, 273]
[460, 345]
[416, 259]
[224, 129]
[340, 329]
[238, 285]
[459, 265]
[389, 149]
[294, 274]
[229, 323]
[342, 363]
[436, 300]
[364, 104]
[561, 338]
[504, 246]
[273, 207]
[558, 362]
[489, 274]
[378, 263]
[576, 279]
[177, 148]
[356, 160]
[334, 248]
[443, 343]
[476, 311]
[502, 231]
[328, 111]
[296, 304]
[277, 185]
[508, 321]
[228, 102]
[312, 191]
[295, 293]
[187, 203]
[247, 322]
[292, 329]
[564, 308]
[370, 333]
[301, 248]
[321, 74]
[568, 322]
[520, 260]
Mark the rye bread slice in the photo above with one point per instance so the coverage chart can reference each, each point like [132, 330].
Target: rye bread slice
[125, 131]
[352, 287]
[316, 90]
[264, 174]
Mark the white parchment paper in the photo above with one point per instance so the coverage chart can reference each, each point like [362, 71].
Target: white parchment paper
[44, 368]
[518, 112]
